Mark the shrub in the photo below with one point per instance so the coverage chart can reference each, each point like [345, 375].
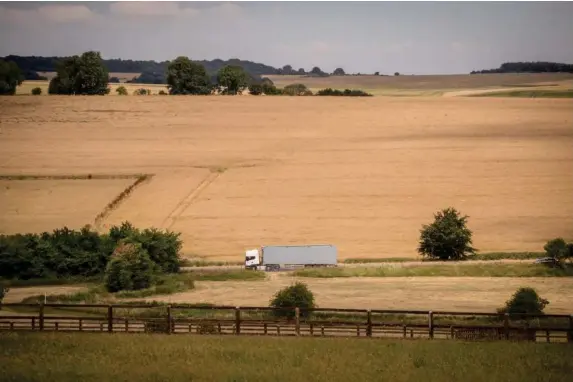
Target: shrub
[255, 89]
[294, 89]
[121, 90]
[296, 295]
[36, 91]
[130, 268]
[447, 238]
[346, 92]
[162, 92]
[524, 301]
[142, 91]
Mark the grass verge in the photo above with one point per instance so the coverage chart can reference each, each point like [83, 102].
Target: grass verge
[454, 270]
[95, 357]
[207, 263]
[227, 275]
[478, 256]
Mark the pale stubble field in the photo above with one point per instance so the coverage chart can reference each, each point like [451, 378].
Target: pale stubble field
[232, 173]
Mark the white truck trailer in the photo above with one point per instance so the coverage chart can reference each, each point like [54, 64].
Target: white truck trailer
[277, 257]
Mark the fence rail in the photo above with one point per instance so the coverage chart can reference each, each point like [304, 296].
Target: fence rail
[227, 320]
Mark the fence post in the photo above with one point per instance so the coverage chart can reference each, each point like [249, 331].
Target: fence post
[431, 324]
[297, 321]
[169, 329]
[368, 323]
[41, 316]
[110, 318]
[506, 325]
[570, 332]
[238, 320]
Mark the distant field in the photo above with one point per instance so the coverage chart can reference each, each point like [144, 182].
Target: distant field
[529, 94]
[96, 357]
[428, 85]
[233, 173]
[122, 76]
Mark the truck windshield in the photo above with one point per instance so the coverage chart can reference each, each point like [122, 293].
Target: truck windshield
[249, 258]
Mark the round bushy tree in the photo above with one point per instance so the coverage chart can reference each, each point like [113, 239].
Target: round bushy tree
[296, 295]
[187, 77]
[447, 238]
[524, 301]
[121, 90]
[129, 268]
[85, 74]
[255, 89]
[10, 77]
[233, 78]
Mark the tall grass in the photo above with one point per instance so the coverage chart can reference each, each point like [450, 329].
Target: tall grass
[140, 357]
[462, 270]
[227, 275]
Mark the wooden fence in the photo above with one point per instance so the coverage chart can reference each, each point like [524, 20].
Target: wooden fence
[227, 320]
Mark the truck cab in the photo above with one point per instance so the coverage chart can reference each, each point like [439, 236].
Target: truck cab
[252, 259]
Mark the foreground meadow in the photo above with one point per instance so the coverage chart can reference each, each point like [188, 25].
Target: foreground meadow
[102, 357]
[232, 173]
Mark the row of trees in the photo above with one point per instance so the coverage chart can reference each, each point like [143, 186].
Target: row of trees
[529, 67]
[84, 253]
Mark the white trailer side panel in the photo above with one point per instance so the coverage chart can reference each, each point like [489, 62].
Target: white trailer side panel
[300, 254]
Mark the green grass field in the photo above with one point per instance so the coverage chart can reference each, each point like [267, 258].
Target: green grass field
[461, 270]
[134, 357]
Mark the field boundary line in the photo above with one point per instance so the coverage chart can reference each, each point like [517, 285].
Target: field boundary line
[184, 203]
[112, 205]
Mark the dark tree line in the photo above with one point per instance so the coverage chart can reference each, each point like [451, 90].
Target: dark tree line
[529, 67]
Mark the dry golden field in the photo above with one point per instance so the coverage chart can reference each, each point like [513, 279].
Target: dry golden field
[27, 86]
[431, 85]
[233, 173]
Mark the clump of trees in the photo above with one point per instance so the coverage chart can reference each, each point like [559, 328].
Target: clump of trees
[296, 90]
[344, 93]
[142, 91]
[447, 238]
[296, 295]
[10, 77]
[339, 72]
[523, 302]
[81, 75]
[82, 253]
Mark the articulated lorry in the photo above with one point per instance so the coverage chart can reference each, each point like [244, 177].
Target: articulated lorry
[277, 257]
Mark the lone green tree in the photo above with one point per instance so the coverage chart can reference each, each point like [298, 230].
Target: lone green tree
[559, 249]
[81, 75]
[233, 78]
[129, 268]
[10, 77]
[187, 77]
[524, 301]
[447, 238]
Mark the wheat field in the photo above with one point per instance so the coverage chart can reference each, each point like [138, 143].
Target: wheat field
[233, 173]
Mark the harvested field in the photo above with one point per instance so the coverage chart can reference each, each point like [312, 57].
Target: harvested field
[427, 85]
[42, 205]
[233, 173]
[479, 294]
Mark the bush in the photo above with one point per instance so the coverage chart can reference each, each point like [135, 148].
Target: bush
[162, 92]
[346, 92]
[296, 295]
[295, 89]
[255, 89]
[524, 301]
[142, 91]
[447, 238]
[130, 268]
[36, 91]
[121, 90]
